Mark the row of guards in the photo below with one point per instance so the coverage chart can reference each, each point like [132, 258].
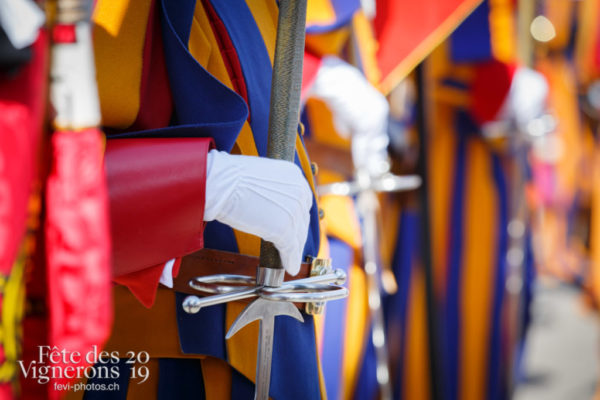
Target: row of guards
[451, 146]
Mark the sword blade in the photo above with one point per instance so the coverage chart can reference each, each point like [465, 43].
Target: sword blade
[265, 311]
[263, 362]
[367, 206]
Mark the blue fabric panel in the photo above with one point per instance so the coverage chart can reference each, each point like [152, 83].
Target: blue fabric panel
[311, 245]
[241, 387]
[204, 332]
[226, 111]
[255, 62]
[124, 372]
[495, 372]
[453, 289]
[367, 387]
[454, 83]
[294, 374]
[179, 131]
[396, 306]
[529, 276]
[306, 122]
[332, 356]
[180, 379]
[219, 236]
[471, 41]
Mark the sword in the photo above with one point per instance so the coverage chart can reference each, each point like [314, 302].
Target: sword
[283, 125]
[366, 188]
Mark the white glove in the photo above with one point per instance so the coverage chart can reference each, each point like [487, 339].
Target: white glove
[359, 111]
[264, 197]
[526, 99]
[261, 196]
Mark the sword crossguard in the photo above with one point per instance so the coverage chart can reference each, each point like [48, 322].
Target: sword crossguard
[385, 183]
[226, 288]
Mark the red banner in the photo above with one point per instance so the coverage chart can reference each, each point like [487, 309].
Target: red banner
[77, 248]
[409, 30]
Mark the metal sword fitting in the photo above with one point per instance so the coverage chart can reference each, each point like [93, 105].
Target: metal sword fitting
[269, 276]
[228, 293]
[320, 266]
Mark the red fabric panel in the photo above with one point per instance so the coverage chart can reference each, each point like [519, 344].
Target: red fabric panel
[156, 102]
[489, 89]
[77, 245]
[228, 52]
[157, 192]
[144, 283]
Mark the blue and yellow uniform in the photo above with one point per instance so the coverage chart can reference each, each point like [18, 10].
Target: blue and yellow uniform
[217, 63]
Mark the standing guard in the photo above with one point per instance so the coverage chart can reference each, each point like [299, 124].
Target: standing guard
[184, 93]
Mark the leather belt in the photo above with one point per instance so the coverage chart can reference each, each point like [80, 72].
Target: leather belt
[210, 262]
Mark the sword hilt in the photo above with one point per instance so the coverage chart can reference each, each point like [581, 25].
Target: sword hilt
[225, 289]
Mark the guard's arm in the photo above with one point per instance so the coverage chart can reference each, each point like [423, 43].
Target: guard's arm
[162, 191]
[359, 111]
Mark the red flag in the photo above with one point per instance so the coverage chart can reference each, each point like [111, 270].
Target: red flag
[77, 228]
[409, 30]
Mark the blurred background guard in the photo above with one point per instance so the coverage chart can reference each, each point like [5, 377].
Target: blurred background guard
[483, 324]
[470, 191]
[23, 84]
[445, 341]
[176, 79]
[345, 120]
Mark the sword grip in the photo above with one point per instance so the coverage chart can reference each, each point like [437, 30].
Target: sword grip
[270, 271]
[286, 80]
[269, 256]
[285, 97]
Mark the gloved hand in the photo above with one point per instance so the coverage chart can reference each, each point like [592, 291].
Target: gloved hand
[264, 197]
[523, 104]
[261, 196]
[526, 99]
[359, 111]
